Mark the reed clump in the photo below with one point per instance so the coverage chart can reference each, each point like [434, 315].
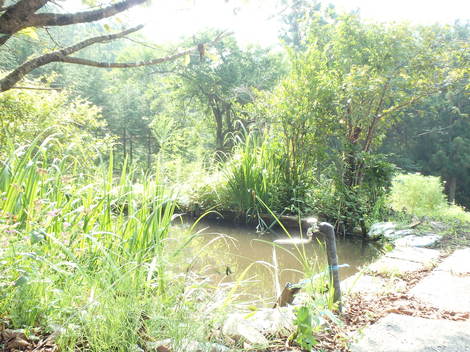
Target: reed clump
[86, 253]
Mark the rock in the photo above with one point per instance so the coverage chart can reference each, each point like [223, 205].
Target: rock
[238, 328]
[276, 321]
[195, 346]
[388, 231]
[159, 346]
[381, 229]
[439, 226]
[450, 279]
[254, 326]
[393, 235]
[185, 345]
[457, 263]
[444, 290]
[163, 348]
[392, 266]
[412, 254]
[301, 298]
[417, 241]
[371, 285]
[402, 333]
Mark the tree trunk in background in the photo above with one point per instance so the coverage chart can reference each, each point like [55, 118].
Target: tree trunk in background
[149, 149]
[130, 148]
[352, 178]
[217, 110]
[451, 188]
[124, 143]
[219, 134]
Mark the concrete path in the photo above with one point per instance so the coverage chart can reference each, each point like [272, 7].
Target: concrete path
[447, 287]
[402, 333]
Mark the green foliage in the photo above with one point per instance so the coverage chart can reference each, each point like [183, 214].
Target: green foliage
[316, 313]
[26, 114]
[250, 181]
[215, 88]
[417, 194]
[455, 212]
[246, 183]
[304, 336]
[346, 88]
[433, 138]
[424, 196]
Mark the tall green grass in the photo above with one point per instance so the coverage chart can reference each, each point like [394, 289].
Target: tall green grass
[85, 253]
[252, 175]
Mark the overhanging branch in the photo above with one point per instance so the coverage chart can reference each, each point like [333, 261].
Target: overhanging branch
[54, 19]
[4, 39]
[160, 60]
[86, 62]
[57, 56]
[22, 15]
[18, 15]
[62, 55]
[36, 88]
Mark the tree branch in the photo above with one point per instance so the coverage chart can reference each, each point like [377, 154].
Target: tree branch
[160, 60]
[62, 55]
[35, 88]
[22, 15]
[377, 116]
[56, 56]
[18, 15]
[4, 39]
[54, 19]
[86, 62]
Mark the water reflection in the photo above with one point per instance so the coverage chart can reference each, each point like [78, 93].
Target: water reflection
[228, 257]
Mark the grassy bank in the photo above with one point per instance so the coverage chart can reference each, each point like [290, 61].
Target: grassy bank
[88, 256]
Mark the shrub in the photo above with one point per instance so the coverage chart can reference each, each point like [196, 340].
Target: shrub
[417, 194]
[75, 123]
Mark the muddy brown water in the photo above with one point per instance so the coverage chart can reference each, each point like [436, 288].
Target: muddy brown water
[226, 252]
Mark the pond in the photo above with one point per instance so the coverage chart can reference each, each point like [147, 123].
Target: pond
[231, 249]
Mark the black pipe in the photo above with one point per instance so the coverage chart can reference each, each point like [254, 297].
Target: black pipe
[329, 232]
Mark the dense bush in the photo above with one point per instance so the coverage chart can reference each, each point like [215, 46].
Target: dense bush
[417, 194]
[424, 196]
[26, 114]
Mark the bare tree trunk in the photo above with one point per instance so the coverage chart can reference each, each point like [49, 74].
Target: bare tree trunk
[124, 143]
[149, 149]
[63, 55]
[219, 143]
[451, 188]
[219, 130]
[130, 147]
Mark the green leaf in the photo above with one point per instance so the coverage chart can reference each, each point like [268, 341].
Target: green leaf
[29, 32]
[186, 60]
[22, 280]
[212, 57]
